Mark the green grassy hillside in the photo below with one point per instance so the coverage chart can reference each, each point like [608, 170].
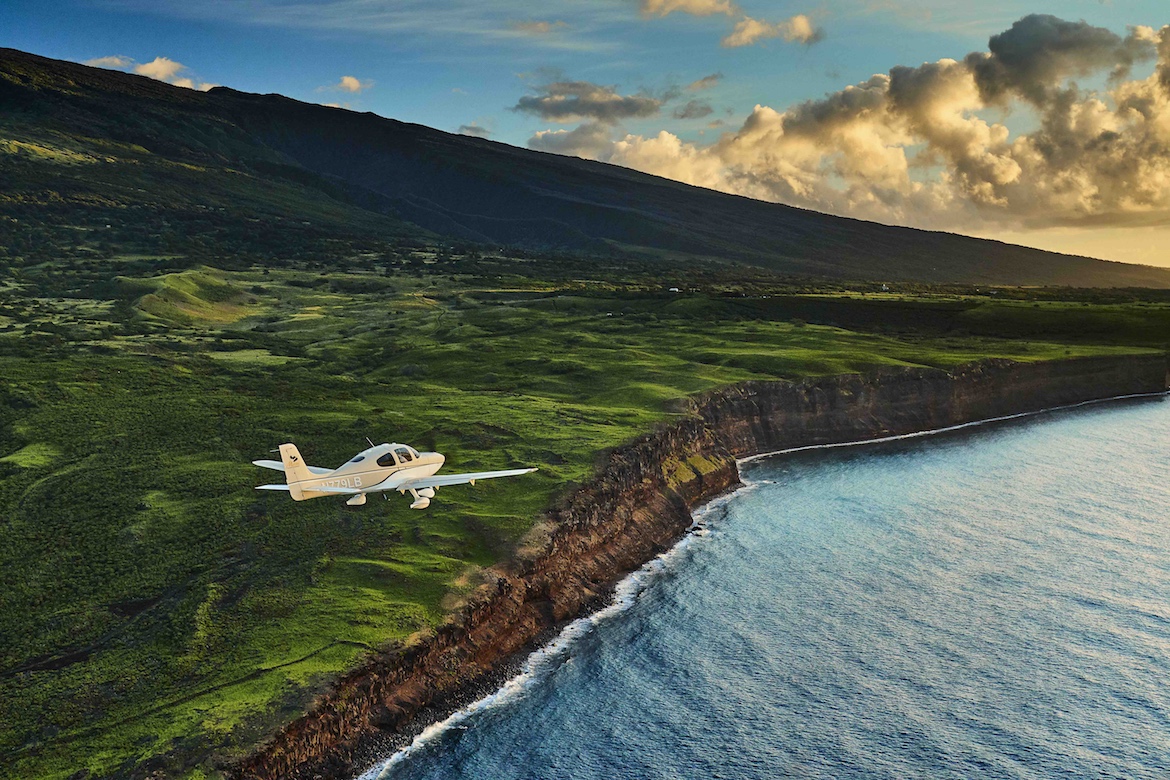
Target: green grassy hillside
[156, 613]
[92, 155]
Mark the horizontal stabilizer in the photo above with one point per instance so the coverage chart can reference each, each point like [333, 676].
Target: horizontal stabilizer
[276, 465]
[272, 487]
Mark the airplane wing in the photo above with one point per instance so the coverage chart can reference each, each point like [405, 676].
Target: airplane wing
[439, 480]
[391, 483]
[340, 490]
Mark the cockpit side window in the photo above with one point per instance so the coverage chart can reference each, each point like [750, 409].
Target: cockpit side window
[403, 454]
[387, 460]
[413, 451]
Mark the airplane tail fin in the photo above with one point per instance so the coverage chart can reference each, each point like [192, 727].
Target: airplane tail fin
[295, 469]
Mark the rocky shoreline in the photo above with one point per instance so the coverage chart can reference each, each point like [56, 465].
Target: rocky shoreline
[638, 504]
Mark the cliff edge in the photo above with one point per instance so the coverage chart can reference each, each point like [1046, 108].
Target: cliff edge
[636, 506]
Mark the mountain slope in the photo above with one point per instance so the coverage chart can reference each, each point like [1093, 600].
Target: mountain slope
[364, 174]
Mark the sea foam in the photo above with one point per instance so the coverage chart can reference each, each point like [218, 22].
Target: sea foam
[545, 661]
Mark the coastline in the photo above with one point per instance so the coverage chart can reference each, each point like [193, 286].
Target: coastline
[542, 661]
[519, 673]
[950, 428]
[638, 506]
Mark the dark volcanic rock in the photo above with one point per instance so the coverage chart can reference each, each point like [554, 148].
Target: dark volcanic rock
[639, 503]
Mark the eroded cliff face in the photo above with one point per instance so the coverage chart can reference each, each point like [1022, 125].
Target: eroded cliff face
[636, 506]
[757, 417]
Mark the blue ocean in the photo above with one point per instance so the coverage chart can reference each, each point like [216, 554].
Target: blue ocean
[992, 602]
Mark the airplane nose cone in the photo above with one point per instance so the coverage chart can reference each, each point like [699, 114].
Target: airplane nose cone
[436, 456]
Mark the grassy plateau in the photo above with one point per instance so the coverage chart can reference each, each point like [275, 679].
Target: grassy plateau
[156, 613]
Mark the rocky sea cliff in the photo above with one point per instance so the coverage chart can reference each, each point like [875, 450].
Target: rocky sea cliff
[638, 503]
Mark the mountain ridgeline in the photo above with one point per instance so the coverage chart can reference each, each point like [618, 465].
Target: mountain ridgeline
[89, 146]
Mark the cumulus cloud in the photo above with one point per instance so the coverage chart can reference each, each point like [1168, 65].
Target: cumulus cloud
[352, 84]
[693, 109]
[707, 82]
[473, 129]
[796, 29]
[116, 61]
[1039, 51]
[160, 68]
[573, 101]
[922, 145]
[692, 7]
[590, 139]
[538, 27]
[1163, 70]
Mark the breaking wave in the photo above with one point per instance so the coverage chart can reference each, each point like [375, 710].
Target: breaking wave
[545, 661]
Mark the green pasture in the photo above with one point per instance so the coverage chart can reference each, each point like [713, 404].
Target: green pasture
[157, 612]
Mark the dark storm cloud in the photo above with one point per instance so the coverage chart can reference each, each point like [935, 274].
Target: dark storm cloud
[693, 109]
[1040, 51]
[572, 101]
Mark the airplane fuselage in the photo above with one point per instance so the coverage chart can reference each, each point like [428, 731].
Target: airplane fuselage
[369, 467]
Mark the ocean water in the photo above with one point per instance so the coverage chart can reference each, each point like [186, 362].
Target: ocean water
[992, 603]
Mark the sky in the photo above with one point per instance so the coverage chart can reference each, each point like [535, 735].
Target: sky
[1040, 122]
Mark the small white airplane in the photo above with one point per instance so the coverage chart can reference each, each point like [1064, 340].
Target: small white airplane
[381, 468]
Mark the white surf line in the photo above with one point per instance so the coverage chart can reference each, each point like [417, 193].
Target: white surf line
[543, 662]
[936, 431]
